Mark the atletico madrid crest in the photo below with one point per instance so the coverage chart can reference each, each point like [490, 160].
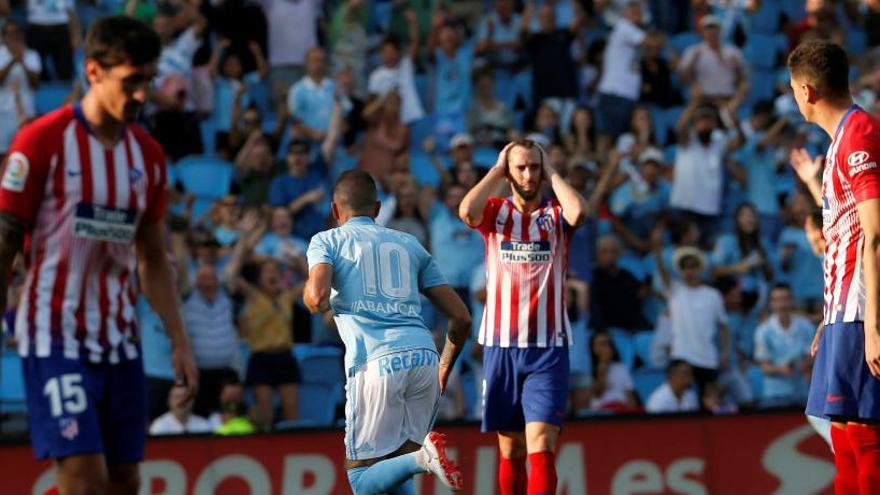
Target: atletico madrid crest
[546, 222]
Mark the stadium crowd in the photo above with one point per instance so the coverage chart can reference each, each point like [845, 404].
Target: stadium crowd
[696, 286]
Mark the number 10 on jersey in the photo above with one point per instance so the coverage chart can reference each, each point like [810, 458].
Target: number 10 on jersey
[386, 271]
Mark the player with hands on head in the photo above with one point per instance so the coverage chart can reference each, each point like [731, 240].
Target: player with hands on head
[370, 278]
[525, 331]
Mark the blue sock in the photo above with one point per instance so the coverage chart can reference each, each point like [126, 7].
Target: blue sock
[386, 476]
[354, 476]
[405, 488]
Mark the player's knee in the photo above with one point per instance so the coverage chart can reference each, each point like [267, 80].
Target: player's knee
[84, 484]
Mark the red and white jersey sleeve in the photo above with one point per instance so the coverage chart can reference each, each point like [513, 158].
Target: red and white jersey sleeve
[851, 176]
[526, 264]
[84, 203]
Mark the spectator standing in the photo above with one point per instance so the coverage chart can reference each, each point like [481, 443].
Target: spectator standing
[292, 30]
[397, 73]
[208, 318]
[554, 73]
[696, 315]
[782, 349]
[620, 85]
[498, 43]
[758, 159]
[676, 395]
[20, 69]
[718, 69]
[387, 136]
[54, 32]
[452, 77]
[700, 158]
[642, 201]
[301, 190]
[310, 101]
[267, 326]
[232, 86]
[180, 418]
[580, 140]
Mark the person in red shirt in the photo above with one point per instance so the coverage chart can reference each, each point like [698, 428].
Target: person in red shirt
[525, 330]
[845, 386]
[80, 188]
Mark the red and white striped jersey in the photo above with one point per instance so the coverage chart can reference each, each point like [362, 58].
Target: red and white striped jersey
[526, 264]
[84, 203]
[850, 177]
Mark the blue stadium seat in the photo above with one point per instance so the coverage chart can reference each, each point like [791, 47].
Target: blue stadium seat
[646, 381]
[766, 18]
[51, 95]
[422, 169]
[12, 395]
[322, 384]
[623, 340]
[756, 380]
[419, 130]
[319, 364]
[642, 342]
[762, 51]
[208, 130]
[485, 156]
[763, 86]
[205, 176]
[857, 40]
[681, 41]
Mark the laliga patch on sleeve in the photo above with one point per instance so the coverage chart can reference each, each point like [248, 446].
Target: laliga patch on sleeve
[15, 173]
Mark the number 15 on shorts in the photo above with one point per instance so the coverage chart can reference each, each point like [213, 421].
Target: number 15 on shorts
[66, 395]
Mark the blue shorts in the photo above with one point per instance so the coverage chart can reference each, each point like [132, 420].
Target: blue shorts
[524, 386]
[842, 388]
[77, 407]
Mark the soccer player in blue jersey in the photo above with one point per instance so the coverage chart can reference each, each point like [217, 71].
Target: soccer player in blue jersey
[370, 278]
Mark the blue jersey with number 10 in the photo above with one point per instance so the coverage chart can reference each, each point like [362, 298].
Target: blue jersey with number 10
[377, 276]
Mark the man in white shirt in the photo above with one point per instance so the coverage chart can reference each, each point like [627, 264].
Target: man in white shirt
[677, 393]
[54, 32]
[397, 73]
[696, 314]
[293, 29]
[19, 74]
[718, 69]
[702, 147]
[621, 82]
[179, 418]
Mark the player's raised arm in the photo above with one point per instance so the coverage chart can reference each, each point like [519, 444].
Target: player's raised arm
[474, 203]
[447, 301]
[574, 206]
[869, 218]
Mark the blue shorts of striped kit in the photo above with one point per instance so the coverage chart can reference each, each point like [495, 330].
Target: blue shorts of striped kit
[842, 387]
[77, 407]
[524, 385]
